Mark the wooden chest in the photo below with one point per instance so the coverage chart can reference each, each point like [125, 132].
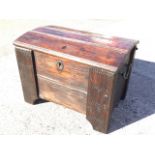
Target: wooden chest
[83, 71]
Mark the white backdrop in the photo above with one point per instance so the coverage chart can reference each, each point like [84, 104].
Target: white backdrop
[77, 9]
[139, 17]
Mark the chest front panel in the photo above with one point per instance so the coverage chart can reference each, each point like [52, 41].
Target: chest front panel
[62, 80]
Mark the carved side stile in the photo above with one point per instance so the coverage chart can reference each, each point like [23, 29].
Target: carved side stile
[100, 98]
[25, 61]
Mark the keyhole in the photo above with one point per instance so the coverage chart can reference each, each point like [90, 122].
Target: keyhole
[59, 65]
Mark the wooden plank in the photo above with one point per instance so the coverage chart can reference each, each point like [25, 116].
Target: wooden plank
[62, 95]
[70, 57]
[100, 39]
[104, 55]
[100, 98]
[25, 61]
[74, 74]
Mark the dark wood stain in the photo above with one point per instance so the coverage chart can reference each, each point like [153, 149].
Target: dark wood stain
[100, 98]
[27, 74]
[60, 94]
[94, 53]
[74, 74]
[116, 42]
[80, 70]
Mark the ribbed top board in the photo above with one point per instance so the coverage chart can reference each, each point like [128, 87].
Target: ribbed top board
[83, 45]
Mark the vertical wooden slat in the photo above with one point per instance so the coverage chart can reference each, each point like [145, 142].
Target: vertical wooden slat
[25, 61]
[100, 98]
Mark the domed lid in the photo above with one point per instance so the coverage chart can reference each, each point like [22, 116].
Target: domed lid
[83, 45]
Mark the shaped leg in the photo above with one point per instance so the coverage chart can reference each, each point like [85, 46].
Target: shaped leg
[100, 98]
[26, 66]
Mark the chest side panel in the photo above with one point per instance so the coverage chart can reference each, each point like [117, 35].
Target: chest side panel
[121, 83]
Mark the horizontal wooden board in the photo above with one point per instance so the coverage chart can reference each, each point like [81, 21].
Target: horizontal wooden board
[100, 39]
[60, 94]
[74, 74]
[88, 51]
[110, 51]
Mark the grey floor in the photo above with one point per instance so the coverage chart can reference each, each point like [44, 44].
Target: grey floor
[134, 115]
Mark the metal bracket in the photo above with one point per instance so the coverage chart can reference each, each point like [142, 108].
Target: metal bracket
[127, 71]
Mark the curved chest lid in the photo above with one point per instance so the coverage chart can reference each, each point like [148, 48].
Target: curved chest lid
[81, 45]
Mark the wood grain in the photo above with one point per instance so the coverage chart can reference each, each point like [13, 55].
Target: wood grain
[100, 98]
[74, 74]
[100, 39]
[84, 50]
[25, 60]
[60, 94]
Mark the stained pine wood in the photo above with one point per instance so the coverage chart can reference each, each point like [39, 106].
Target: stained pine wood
[25, 60]
[100, 39]
[58, 93]
[74, 48]
[100, 97]
[74, 74]
[98, 49]
[80, 70]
